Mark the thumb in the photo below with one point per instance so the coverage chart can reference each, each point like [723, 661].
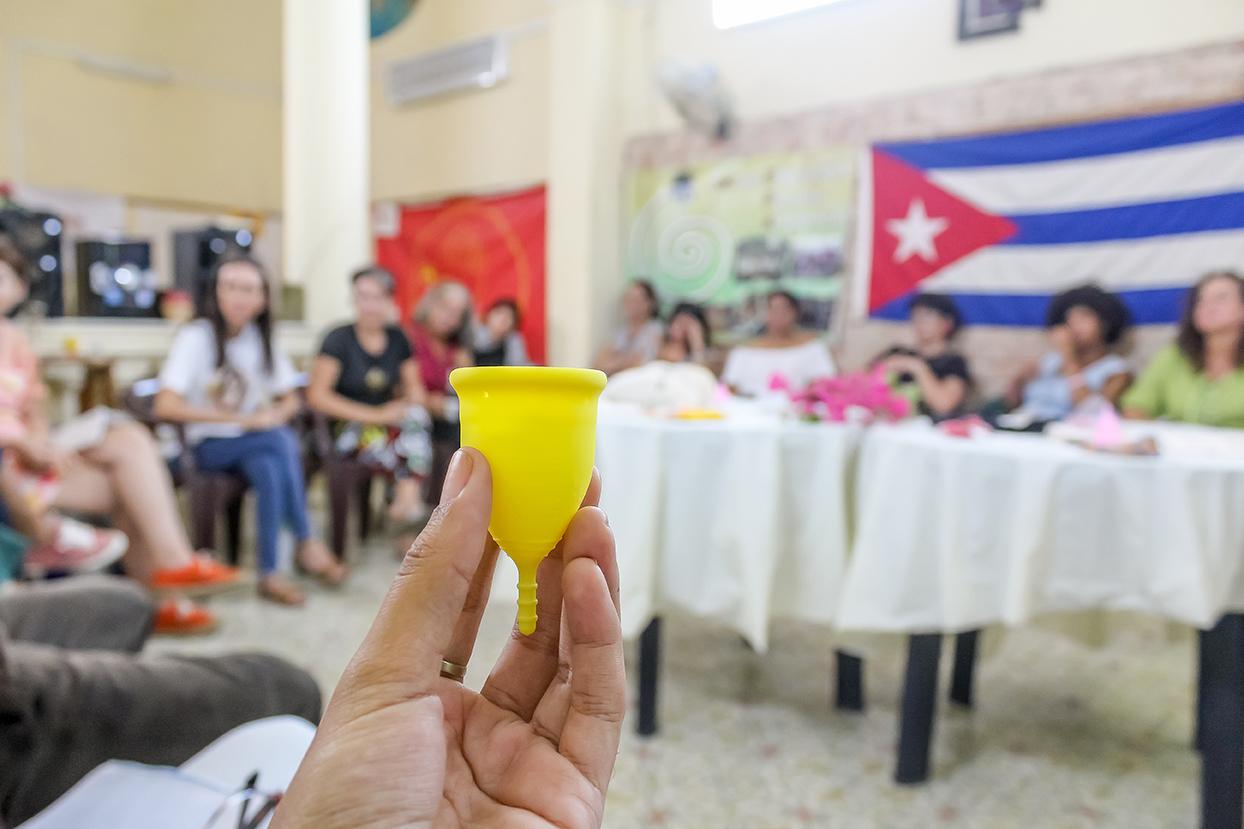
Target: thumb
[413, 628]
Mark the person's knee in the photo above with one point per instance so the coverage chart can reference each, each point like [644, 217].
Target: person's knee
[263, 472]
[122, 606]
[286, 441]
[83, 613]
[129, 439]
[291, 690]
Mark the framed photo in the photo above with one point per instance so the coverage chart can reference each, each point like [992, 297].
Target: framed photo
[978, 18]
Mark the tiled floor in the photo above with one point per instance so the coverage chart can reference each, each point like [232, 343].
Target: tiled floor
[1063, 735]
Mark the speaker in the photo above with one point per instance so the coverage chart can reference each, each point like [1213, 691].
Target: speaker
[115, 279]
[196, 252]
[38, 237]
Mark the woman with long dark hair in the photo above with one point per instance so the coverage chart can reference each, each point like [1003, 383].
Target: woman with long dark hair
[689, 338]
[235, 391]
[1200, 377]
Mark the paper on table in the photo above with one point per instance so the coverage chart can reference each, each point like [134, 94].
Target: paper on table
[138, 796]
[121, 793]
[273, 746]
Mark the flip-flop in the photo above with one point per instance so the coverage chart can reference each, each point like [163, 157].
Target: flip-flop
[286, 594]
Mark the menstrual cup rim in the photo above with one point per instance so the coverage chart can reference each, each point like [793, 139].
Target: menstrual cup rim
[466, 379]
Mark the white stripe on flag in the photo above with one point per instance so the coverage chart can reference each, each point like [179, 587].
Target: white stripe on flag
[1163, 174]
[863, 251]
[1129, 265]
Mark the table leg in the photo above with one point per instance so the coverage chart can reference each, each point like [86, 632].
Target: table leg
[919, 707]
[849, 695]
[965, 668]
[1198, 734]
[1222, 712]
[649, 674]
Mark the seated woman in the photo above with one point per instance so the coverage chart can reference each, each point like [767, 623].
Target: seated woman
[1200, 378]
[938, 375]
[235, 390]
[689, 339]
[366, 380]
[117, 472]
[1085, 326]
[440, 332]
[784, 349]
[638, 339]
[498, 342]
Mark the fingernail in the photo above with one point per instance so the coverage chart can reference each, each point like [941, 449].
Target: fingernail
[456, 478]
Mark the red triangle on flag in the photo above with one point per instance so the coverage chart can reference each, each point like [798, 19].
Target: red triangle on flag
[919, 228]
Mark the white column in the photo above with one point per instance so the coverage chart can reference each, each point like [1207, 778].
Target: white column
[584, 163]
[326, 134]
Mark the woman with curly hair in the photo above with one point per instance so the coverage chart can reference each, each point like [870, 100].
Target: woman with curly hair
[1085, 326]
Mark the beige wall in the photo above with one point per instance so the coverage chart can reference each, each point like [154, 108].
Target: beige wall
[208, 132]
[872, 48]
[212, 134]
[470, 142]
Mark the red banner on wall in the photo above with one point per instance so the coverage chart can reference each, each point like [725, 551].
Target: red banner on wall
[493, 245]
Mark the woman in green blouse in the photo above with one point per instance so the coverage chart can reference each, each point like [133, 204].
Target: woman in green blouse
[1199, 378]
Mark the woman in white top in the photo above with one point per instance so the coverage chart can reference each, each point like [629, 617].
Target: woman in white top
[638, 339]
[226, 380]
[785, 349]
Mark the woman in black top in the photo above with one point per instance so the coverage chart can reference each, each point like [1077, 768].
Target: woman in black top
[939, 374]
[365, 379]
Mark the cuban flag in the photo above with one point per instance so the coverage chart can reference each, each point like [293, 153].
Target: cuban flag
[1141, 206]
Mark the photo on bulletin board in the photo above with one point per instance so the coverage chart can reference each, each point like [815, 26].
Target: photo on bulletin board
[726, 233]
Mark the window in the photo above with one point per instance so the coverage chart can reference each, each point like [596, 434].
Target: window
[730, 13]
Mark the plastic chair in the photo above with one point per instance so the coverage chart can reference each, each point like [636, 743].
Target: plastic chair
[349, 484]
[209, 494]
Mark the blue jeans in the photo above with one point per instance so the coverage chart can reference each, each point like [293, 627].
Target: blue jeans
[270, 462]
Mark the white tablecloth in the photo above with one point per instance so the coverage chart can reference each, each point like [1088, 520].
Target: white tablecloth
[739, 520]
[954, 534]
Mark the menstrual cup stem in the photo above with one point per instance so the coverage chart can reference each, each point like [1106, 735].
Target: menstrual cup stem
[527, 600]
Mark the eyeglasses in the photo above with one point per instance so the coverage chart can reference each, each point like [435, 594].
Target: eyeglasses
[248, 808]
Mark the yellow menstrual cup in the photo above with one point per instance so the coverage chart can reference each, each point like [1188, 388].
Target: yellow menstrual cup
[537, 428]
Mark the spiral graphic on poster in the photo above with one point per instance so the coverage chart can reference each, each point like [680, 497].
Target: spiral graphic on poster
[686, 255]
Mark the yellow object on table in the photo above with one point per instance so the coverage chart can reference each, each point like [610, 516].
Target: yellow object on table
[537, 428]
[699, 414]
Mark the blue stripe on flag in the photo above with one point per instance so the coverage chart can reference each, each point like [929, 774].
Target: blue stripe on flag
[1080, 141]
[1148, 307]
[1133, 221]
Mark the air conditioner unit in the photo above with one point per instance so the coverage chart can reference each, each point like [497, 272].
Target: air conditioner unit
[473, 64]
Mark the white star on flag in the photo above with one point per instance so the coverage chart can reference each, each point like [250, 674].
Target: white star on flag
[916, 232]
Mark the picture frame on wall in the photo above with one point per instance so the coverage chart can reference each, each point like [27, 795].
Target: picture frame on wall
[980, 18]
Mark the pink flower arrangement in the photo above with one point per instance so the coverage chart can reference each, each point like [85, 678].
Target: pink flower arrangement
[866, 396]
